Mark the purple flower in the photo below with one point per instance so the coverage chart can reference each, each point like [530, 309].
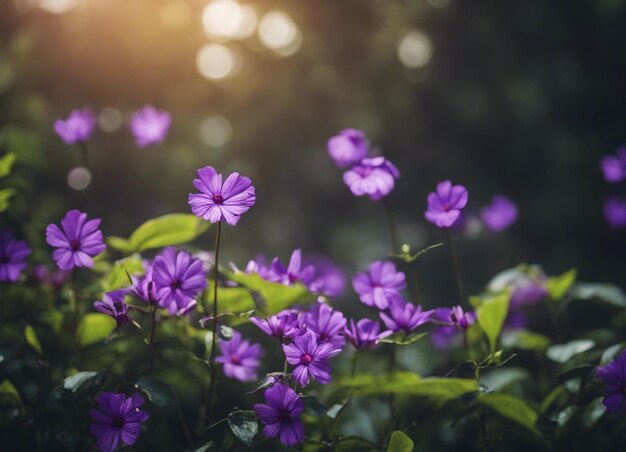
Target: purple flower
[330, 280]
[53, 277]
[381, 285]
[284, 324]
[405, 316]
[374, 177]
[613, 375]
[461, 319]
[219, 202]
[348, 147]
[294, 272]
[143, 286]
[500, 214]
[149, 125]
[117, 420]
[527, 291]
[240, 359]
[77, 242]
[444, 205]
[365, 334]
[615, 212]
[614, 166]
[309, 358]
[281, 415]
[327, 324]
[113, 304]
[13, 254]
[77, 127]
[178, 279]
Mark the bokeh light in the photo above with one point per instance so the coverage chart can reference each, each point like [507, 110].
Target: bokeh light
[57, 6]
[217, 62]
[228, 19]
[110, 119]
[415, 49]
[278, 32]
[215, 131]
[79, 178]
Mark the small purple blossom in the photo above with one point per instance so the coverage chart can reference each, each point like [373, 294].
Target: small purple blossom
[77, 127]
[460, 318]
[615, 212]
[150, 125]
[330, 279]
[500, 214]
[284, 324]
[178, 279]
[445, 205]
[365, 334]
[613, 376]
[113, 304]
[309, 358]
[375, 177]
[405, 316]
[117, 420]
[348, 147]
[13, 254]
[76, 242]
[294, 273]
[54, 277]
[380, 285]
[143, 287]
[221, 202]
[327, 324]
[614, 166]
[281, 415]
[240, 359]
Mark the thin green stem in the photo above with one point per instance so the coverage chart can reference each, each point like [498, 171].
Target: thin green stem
[214, 322]
[457, 269]
[152, 335]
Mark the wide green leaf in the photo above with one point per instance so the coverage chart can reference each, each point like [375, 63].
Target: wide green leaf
[244, 425]
[83, 380]
[604, 292]
[511, 407]
[491, 311]
[93, 328]
[32, 339]
[355, 444]
[157, 391]
[167, 230]
[564, 352]
[525, 340]
[5, 195]
[117, 276]
[559, 285]
[399, 442]
[6, 163]
[276, 297]
[7, 390]
[409, 383]
[231, 299]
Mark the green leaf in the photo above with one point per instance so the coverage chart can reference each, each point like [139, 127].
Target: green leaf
[355, 444]
[491, 311]
[93, 328]
[511, 407]
[83, 380]
[168, 230]
[276, 296]
[157, 391]
[399, 442]
[525, 340]
[6, 163]
[559, 285]
[604, 292]
[403, 339]
[7, 390]
[117, 277]
[5, 195]
[593, 412]
[231, 299]
[244, 426]
[564, 352]
[119, 243]
[32, 339]
[611, 353]
[409, 383]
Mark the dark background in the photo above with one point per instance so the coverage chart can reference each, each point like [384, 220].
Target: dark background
[519, 98]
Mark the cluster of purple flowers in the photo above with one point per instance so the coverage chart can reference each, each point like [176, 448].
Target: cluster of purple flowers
[372, 176]
[148, 126]
[614, 170]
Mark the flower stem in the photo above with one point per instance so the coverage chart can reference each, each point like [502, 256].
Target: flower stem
[214, 322]
[457, 269]
[152, 334]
